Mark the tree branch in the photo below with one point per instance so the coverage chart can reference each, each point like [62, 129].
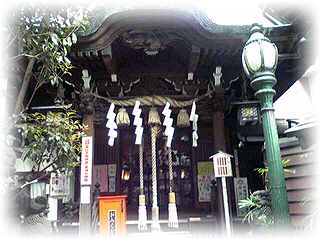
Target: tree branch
[49, 165]
[34, 92]
[24, 87]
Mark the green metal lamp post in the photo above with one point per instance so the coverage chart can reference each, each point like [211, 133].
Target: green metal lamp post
[259, 59]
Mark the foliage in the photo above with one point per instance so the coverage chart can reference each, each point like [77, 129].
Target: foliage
[259, 208]
[47, 35]
[53, 139]
[264, 171]
[70, 211]
[259, 202]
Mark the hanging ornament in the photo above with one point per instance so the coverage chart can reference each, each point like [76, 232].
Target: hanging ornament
[193, 111]
[111, 124]
[155, 226]
[123, 119]
[154, 122]
[169, 131]
[172, 208]
[195, 138]
[183, 119]
[137, 122]
[194, 118]
[142, 219]
[168, 121]
[154, 118]
[142, 212]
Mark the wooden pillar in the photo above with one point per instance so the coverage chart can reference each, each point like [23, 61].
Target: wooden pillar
[219, 143]
[85, 209]
[218, 131]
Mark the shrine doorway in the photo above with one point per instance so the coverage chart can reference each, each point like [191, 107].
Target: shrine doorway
[183, 184]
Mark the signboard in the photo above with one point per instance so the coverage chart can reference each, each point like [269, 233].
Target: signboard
[222, 165]
[100, 175]
[205, 177]
[112, 169]
[59, 185]
[241, 193]
[112, 222]
[204, 187]
[205, 168]
[85, 197]
[86, 161]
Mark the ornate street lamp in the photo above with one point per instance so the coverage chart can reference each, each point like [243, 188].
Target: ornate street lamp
[259, 60]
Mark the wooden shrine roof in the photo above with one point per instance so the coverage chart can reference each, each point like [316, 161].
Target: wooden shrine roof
[185, 33]
[118, 39]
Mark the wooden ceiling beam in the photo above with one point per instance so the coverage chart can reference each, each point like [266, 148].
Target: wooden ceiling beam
[193, 61]
[109, 62]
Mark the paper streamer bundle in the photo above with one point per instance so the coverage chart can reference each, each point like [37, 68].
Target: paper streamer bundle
[194, 119]
[111, 124]
[142, 212]
[169, 131]
[137, 122]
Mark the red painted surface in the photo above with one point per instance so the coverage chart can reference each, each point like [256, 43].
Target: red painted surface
[112, 197]
[112, 215]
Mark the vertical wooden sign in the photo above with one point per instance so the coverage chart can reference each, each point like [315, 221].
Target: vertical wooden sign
[86, 161]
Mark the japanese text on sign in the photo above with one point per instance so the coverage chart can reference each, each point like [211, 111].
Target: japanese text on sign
[112, 222]
[86, 161]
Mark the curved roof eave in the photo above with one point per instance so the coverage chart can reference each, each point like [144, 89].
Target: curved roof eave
[98, 16]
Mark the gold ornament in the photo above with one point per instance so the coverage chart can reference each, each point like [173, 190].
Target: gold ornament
[154, 118]
[123, 119]
[183, 119]
[172, 197]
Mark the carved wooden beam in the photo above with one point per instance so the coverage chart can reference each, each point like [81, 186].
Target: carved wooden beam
[193, 61]
[109, 62]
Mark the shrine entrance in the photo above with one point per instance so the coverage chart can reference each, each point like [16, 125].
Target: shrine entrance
[182, 170]
[192, 171]
[172, 63]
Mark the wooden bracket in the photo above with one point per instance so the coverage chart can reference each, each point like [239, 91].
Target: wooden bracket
[193, 61]
[109, 63]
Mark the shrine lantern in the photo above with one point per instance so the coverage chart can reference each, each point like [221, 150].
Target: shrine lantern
[222, 169]
[222, 164]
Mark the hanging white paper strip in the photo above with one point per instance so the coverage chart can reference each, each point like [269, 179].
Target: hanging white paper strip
[193, 111]
[112, 125]
[136, 108]
[194, 118]
[169, 131]
[138, 123]
[166, 111]
[168, 122]
[110, 111]
[111, 142]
